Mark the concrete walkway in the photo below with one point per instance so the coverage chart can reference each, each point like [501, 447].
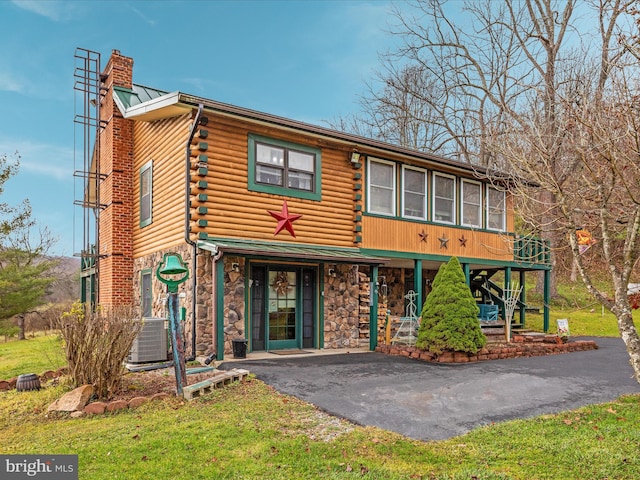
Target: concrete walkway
[428, 401]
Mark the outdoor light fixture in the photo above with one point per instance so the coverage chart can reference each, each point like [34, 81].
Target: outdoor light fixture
[172, 265]
[235, 267]
[355, 156]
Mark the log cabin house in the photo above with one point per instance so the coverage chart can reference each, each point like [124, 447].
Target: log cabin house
[297, 236]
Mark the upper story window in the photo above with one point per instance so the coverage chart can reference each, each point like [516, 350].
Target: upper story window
[496, 209]
[444, 198]
[146, 192]
[382, 187]
[471, 203]
[285, 168]
[414, 197]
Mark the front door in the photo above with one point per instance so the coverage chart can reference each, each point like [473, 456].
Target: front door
[282, 307]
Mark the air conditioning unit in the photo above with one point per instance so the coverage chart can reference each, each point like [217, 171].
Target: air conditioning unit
[151, 343]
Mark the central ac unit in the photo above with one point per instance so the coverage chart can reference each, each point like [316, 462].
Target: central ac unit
[151, 343]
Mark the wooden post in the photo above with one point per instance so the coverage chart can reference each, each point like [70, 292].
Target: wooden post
[177, 343]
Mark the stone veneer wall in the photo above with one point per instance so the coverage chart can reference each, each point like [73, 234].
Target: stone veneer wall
[159, 293]
[234, 301]
[341, 307]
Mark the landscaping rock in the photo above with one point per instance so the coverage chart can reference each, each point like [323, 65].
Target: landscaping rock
[160, 396]
[77, 414]
[117, 405]
[4, 385]
[137, 401]
[72, 401]
[96, 408]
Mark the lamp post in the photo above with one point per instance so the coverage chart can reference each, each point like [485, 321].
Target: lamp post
[173, 265]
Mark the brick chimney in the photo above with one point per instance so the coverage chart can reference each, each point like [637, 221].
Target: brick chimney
[115, 268]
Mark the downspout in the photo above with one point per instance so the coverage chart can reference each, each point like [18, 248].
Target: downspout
[187, 223]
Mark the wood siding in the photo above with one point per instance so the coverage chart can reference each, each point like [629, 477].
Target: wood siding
[234, 211]
[402, 236]
[164, 143]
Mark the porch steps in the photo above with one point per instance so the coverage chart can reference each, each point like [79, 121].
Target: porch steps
[221, 379]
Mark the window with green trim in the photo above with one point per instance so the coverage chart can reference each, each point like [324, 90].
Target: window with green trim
[496, 209]
[444, 198]
[414, 196]
[471, 203]
[146, 294]
[146, 192]
[285, 168]
[382, 187]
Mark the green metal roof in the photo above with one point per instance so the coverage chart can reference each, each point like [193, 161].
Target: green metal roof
[136, 95]
[291, 251]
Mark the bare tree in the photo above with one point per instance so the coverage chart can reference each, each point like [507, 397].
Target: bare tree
[540, 88]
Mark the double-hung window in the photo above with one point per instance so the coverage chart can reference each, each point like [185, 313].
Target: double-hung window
[496, 215]
[444, 198]
[382, 187]
[414, 197]
[284, 168]
[146, 192]
[471, 204]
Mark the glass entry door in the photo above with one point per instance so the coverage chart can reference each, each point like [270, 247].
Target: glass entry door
[282, 304]
[283, 307]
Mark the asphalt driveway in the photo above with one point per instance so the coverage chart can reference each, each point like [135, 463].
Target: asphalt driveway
[429, 401]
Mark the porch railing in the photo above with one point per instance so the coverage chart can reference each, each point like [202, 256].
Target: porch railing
[531, 249]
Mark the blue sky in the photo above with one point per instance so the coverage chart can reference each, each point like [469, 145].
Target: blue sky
[305, 60]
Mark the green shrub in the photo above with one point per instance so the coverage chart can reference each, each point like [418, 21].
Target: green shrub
[449, 319]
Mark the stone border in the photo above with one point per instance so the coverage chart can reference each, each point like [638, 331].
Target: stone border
[522, 346]
[10, 384]
[93, 408]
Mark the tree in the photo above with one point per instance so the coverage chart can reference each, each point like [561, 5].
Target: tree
[449, 319]
[526, 89]
[24, 268]
[25, 276]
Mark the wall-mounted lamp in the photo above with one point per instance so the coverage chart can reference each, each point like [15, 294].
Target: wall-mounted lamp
[235, 267]
[355, 156]
[332, 272]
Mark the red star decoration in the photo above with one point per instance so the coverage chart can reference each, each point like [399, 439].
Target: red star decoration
[423, 236]
[285, 219]
[463, 241]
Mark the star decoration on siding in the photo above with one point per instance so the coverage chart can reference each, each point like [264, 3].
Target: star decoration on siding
[463, 241]
[285, 219]
[423, 236]
[443, 242]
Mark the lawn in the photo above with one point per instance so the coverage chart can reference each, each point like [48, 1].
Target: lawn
[250, 431]
[33, 355]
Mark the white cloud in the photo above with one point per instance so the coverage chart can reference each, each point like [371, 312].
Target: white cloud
[41, 160]
[9, 83]
[55, 10]
[143, 17]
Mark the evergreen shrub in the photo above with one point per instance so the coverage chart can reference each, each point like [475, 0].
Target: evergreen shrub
[449, 318]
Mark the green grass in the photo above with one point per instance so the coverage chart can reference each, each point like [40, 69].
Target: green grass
[249, 431]
[33, 355]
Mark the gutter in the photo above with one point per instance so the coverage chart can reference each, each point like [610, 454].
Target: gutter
[187, 222]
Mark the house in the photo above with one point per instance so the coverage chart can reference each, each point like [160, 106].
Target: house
[296, 236]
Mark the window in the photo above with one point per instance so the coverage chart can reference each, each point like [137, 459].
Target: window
[444, 190]
[382, 187]
[146, 191]
[471, 204]
[495, 209]
[146, 296]
[414, 193]
[284, 168]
